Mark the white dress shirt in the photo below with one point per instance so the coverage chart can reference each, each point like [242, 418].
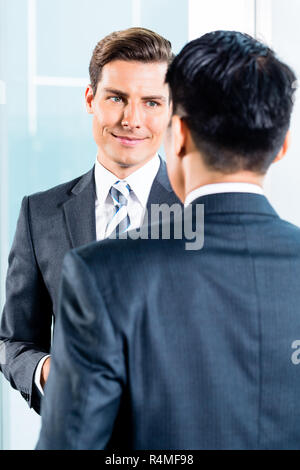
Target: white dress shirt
[222, 188]
[140, 182]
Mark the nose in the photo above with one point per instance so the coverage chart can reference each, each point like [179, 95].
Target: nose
[132, 116]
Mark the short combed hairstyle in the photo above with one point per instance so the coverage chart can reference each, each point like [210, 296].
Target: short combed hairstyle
[236, 98]
[133, 44]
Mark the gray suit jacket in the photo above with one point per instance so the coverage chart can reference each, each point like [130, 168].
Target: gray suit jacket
[50, 224]
[203, 356]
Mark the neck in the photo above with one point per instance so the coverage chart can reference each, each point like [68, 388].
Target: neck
[196, 174]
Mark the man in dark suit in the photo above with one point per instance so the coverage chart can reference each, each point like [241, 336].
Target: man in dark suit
[162, 347]
[129, 100]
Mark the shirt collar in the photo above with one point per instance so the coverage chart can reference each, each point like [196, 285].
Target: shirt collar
[222, 188]
[104, 179]
[140, 180]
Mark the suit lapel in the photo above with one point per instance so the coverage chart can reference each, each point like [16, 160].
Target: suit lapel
[161, 190]
[80, 211]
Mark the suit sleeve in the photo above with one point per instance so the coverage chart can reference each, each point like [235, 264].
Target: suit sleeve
[25, 331]
[87, 375]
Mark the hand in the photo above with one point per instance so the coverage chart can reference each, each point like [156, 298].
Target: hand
[45, 372]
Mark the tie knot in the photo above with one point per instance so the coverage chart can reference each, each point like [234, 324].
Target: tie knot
[119, 192]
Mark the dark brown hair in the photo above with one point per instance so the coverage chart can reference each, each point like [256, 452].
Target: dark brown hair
[133, 44]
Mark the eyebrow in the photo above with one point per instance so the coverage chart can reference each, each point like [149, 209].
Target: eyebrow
[122, 93]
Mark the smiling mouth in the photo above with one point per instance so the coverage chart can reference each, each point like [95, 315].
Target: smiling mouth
[128, 141]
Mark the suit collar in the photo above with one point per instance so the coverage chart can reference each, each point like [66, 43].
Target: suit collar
[239, 203]
[216, 188]
[161, 189]
[80, 211]
[161, 179]
[140, 180]
[85, 180]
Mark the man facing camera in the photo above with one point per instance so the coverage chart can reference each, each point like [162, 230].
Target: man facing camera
[161, 347]
[129, 101]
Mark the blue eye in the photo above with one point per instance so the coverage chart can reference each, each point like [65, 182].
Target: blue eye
[116, 99]
[152, 104]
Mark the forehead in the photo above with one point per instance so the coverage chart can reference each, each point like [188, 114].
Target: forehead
[135, 77]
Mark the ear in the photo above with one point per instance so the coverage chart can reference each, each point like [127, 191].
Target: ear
[284, 148]
[89, 96]
[180, 136]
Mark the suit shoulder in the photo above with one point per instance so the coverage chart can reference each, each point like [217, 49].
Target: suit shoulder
[56, 196]
[120, 252]
[275, 236]
[57, 191]
[290, 230]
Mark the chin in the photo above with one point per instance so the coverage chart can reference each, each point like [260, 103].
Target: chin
[127, 162]
[130, 161]
[125, 165]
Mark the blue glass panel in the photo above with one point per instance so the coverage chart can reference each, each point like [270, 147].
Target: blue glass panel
[68, 31]
[168, 18]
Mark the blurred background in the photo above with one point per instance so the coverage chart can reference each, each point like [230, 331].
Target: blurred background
[45, 132]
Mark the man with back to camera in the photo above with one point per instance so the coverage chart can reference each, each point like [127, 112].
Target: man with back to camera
[204, 356]
[129, 100]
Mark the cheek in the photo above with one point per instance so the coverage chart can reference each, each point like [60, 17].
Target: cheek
[157, 125]
[106, 118]
[97, 127]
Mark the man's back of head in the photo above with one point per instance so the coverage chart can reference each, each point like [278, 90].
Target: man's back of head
[236, 98]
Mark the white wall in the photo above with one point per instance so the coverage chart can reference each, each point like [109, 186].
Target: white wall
[212, 15]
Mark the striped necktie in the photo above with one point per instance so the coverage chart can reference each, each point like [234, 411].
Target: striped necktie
[120, 222]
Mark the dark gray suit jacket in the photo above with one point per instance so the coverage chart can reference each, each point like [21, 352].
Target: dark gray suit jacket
[157, 347]
[50, 224]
